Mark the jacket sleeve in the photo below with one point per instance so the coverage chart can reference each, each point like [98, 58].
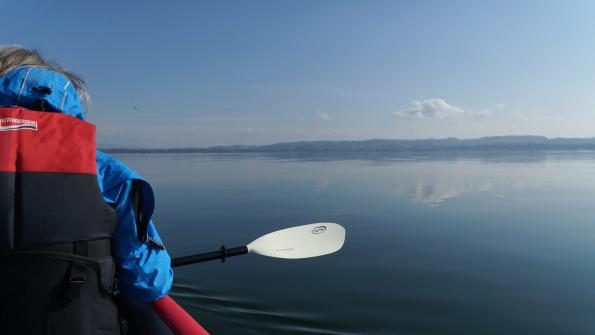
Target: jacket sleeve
[144, 272]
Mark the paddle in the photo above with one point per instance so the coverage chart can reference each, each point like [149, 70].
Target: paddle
[305, 241]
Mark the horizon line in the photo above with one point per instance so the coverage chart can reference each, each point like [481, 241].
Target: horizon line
[542, 137]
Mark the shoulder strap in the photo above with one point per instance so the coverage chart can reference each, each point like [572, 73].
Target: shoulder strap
[142, 224]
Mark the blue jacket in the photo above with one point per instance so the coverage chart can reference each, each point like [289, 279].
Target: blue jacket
[143, 272]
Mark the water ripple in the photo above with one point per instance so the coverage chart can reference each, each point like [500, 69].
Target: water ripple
[230, 313]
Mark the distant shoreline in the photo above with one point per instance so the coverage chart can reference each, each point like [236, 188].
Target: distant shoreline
[494, 143]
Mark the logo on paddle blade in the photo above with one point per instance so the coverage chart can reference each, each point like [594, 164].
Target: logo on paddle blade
[17, 124]
[286, 249]
[319, 230]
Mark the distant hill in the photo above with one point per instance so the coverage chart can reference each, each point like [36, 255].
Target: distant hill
[379, 145]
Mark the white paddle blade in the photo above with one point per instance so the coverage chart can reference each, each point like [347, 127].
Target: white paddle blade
[305, 241]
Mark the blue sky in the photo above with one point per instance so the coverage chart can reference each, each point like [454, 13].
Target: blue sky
[255, 72]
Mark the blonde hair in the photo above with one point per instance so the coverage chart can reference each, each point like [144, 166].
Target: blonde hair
[13, 56]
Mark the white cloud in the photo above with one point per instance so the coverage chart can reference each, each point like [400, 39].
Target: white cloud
[436, 108]
[323, 116]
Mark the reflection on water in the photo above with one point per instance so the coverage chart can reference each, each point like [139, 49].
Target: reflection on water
[431, 183]
[499, 243]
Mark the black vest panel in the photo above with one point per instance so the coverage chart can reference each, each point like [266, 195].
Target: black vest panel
[40, 208]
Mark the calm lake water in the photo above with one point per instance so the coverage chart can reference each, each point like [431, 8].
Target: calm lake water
[436, 244]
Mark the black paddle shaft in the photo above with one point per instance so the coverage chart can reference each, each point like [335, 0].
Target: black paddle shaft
[221, 254]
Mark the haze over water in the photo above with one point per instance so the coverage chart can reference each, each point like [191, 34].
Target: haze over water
[450, 244]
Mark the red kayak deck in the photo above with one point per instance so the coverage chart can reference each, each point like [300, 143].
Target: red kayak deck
[176, 318]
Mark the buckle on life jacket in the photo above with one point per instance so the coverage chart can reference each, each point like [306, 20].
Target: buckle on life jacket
[76, 276]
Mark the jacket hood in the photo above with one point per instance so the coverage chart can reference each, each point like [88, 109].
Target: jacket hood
[28, 86]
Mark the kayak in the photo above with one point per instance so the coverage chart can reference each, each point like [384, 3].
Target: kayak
[176, 318]
[162, 317]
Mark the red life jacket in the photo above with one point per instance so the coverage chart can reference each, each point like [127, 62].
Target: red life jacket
[55, 228]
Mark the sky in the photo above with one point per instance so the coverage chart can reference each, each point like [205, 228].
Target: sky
[204, 73]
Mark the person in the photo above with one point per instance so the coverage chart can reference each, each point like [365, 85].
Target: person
[50, 172]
